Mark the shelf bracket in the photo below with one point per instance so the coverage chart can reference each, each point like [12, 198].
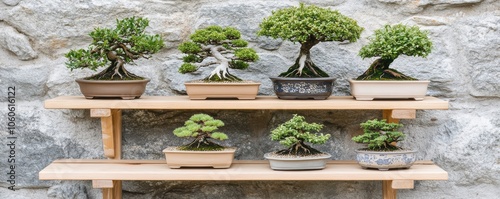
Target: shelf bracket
[111, 131]
[403, 184]
[396, 114]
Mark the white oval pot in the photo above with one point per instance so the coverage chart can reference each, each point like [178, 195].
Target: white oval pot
[384, 89]
[298, 163]
[216, 159]
[385, 160]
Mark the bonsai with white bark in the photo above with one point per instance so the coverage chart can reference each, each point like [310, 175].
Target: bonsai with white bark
[223, 44]
[309, 25]
[115, 48]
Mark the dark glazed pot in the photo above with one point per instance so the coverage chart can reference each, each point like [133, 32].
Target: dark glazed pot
[125, 89]
[303, 88]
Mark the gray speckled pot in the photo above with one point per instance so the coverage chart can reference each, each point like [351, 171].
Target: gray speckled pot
[303, 88]
[302, 163]
[383, 160]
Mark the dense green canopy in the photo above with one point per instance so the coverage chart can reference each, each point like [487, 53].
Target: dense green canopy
[380, 135]
[202, 127]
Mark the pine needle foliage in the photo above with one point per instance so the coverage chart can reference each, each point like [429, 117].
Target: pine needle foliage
[380, 135]
[202, 128]
[295, 133]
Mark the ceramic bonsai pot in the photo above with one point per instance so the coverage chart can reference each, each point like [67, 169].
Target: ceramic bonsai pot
[370, 89]
[216, 159]
[385, 160]
[297, 163]
[125, 89]
[203, 90]
[303, 88]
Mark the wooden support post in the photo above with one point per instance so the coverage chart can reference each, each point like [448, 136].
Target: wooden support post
[403, 184]
[395, 115]
[111, 125]
[387, 190]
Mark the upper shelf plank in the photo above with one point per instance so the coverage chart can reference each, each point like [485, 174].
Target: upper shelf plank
[240, 170]
[260, 103]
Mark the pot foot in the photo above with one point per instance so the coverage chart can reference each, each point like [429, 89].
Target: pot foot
[363, 98]
[128, 98]
[419, 98]
[383, 169]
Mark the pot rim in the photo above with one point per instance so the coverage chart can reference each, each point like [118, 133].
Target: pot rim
[385, 152]
[389, 81]
[302, 78]
[227, 150]
[114, 81]
[326, 156]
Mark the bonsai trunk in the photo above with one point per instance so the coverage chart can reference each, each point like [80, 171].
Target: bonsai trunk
[304, 66]
[116, 70]
[201, 143]
[221, 72]
[299, 149]
[379, 70]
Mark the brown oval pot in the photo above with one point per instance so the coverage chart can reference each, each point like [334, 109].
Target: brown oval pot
[125, 89]
[204, 90]
[216, 159]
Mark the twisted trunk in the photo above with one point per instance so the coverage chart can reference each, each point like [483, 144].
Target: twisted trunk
[304, 66]
[299, 149]
[116, 70]
[379, 70]
[221, 72]
[202, 143]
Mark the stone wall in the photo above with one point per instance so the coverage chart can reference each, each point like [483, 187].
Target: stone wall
[464, 68]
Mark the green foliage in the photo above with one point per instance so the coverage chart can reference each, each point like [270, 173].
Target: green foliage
[128, 41]
[379, 135]
[303, 23]
[391, 41]
[298, 130]
[225, 42]
[201, 125]
[187, 68]
[237, 64]
[246, 54]
[189, 47]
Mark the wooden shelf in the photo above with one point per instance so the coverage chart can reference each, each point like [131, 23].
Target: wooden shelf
[242, 170]
[262, 102]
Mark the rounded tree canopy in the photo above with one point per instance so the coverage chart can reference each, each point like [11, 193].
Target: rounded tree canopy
[304, 23]
[380, 135]
[391, 41]
[296, 130]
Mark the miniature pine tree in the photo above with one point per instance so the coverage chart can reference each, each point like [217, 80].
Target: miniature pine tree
[390, 42]
[223, 44]
[380, 135]
[295, 133]
[202, 128]
[123, 44]
[309, 25]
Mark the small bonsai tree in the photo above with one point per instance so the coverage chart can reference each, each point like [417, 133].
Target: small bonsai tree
[202, 128]
[123, 44]
[223, 44]
[295, 133]
[308, 25]
[380, 135]
[390, 42]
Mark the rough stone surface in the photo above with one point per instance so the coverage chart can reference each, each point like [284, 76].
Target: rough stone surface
[463, 68]
[16, 43]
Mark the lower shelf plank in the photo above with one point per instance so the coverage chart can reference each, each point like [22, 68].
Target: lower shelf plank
[244, 170]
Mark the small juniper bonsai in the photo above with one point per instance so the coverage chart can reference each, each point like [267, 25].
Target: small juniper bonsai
[123, 44]
[388, 43]
[380, 135]
[223, 44]
[308, 25]
[202, 128]
[295, 132]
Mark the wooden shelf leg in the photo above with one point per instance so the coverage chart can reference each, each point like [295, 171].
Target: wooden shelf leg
[111, 124]
[387, 190]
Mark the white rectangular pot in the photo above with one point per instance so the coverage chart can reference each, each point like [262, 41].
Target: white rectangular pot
[386, 89]
[202, 90]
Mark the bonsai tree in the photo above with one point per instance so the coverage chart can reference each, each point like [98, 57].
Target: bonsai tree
[308, 25]
[202, 128]
[223, 44]
[295, 133]
[380, 135]
[114, 48]
[390, 42]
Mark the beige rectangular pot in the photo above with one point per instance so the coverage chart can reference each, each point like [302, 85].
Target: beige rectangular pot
[216, 159]
[202, 90]
[383, 89]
